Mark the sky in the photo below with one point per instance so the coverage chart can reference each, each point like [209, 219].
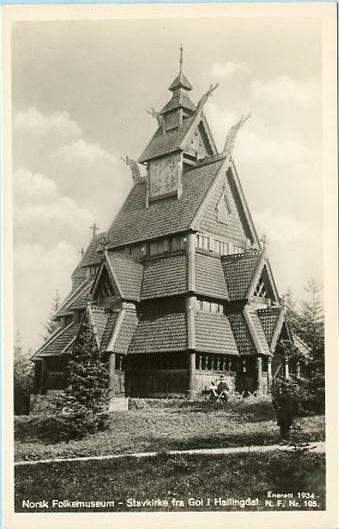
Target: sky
[80, 91]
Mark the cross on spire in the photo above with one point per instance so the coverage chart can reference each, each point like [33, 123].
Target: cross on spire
[181, 58]
[94, 229]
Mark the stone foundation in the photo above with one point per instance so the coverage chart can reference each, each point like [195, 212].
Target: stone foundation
[118, 404]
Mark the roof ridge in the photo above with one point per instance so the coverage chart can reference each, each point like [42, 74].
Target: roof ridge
[240, 255]
[269, 309]
[136, 260]
[59, 331]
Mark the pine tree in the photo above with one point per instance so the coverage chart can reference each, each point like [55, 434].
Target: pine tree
[87, 392]
[23, 377]
[51, 324]
[308, 324]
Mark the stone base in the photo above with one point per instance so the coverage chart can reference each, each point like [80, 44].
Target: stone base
[118, 404]
[191, 394]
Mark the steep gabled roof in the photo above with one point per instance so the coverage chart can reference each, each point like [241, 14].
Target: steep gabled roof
[165, 276]
[92, 256]
[74, 298]
[271, 319]
[82, 299]
[58, 343]
[99, 317]
[136, 223]
[239, 270]
[257, 332]
[161, 334]
[125, 332]
[110, 325]
[249, 333]
[210, 279]
[301, 345]
[127, 274]
[242, 334]
[180, 81]
[214, 334]
[166, 142]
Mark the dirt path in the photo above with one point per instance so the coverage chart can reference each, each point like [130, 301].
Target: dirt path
[314, 447]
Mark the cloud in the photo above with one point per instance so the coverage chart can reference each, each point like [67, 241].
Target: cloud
[227, 70]
[285, 90]
[39, 209]
[31, 121]
[33, 187]
[255, 148]
[253, 145]
[38, 273]
[281, 228]
[35, 258]
[81, 150]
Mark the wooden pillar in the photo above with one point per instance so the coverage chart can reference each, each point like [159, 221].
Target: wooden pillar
[269, 372]
[259, 373]
[111, 375]
[286, 367]
[191, 375]
[191, 301]
[43, 376]
[298, 369]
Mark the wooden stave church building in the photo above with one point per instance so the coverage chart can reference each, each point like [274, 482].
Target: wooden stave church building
[179, 290]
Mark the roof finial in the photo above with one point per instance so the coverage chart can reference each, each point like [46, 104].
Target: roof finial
[94, 229]
[181, 58]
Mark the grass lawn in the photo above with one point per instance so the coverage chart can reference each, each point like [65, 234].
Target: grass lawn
[175, 479]
[193, 425]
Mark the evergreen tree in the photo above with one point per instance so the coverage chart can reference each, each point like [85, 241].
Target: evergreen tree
[51, 324]
[308, 324]
[23, 377]
[87, 393]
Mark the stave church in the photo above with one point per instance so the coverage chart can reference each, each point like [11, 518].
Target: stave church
[179, 290]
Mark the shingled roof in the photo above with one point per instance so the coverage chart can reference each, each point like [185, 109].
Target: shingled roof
[128, 274]
[126, 331]
[80, 301]
[239, 270]
[166, 276]
[214, 334]
[59, 342]
[158, 335]
[178, 100]
[210, 279]
[136, 223]
[269, 319]
[92, 256]
[111, 321]
[166, 142]
[242, 334]
[99, 317]
[257, 333]
[75, 298]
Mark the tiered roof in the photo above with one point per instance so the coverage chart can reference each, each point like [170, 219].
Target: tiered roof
[163, 277]
[161, 334]
[210, 279]
[59, 342]
[214, 334]
[239, 270]
[136, 223]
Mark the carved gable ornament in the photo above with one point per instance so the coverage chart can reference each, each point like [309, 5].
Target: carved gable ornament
[223, 209]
